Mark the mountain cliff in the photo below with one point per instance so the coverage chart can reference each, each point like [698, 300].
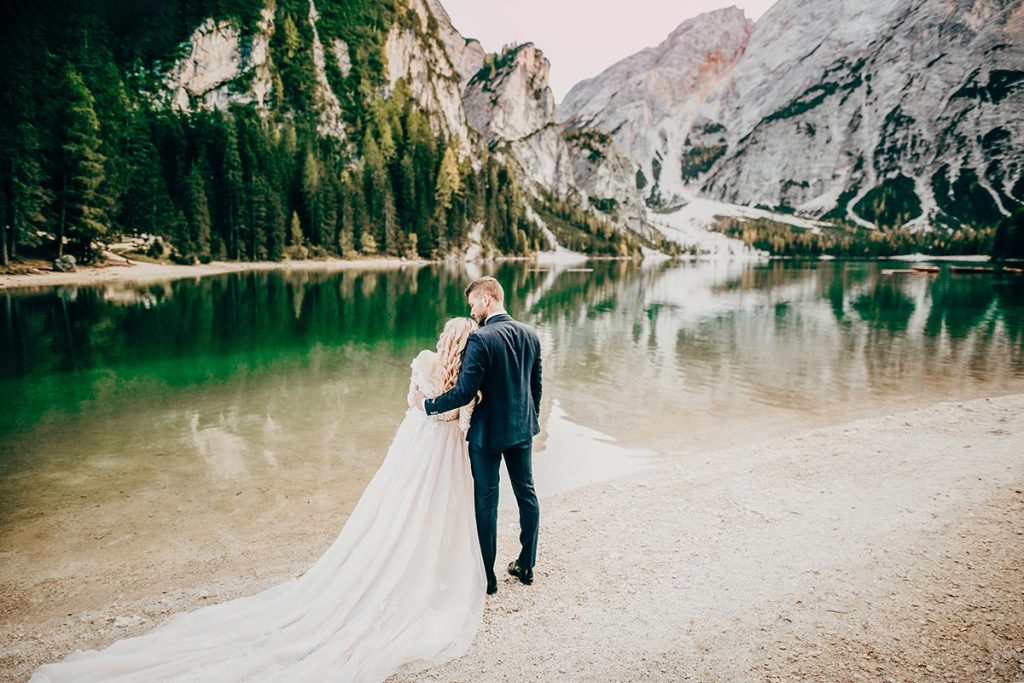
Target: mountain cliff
[647, 102]
[251, 129]
[248, 129]
[877, 114]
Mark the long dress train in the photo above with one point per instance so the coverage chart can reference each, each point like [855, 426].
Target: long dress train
[400, 589]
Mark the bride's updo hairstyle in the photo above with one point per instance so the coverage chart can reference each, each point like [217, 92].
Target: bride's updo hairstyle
[450, 347]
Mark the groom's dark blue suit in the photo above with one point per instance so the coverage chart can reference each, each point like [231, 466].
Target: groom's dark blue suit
[502, 361]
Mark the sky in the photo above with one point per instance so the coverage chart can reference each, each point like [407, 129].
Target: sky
[581, 37]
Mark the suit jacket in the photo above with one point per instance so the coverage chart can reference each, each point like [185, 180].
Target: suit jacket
[502, 361]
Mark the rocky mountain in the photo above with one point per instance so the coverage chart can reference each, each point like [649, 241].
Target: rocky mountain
[222, 67]
[262, 130]
[510, 104]
[647, 102]
[500, 102]
[878, 113]
[253, 129]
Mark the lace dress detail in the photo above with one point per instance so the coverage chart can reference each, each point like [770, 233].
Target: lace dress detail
[426, 374]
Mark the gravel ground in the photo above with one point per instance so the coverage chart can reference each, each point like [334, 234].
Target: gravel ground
[887, 549]
[882, 550]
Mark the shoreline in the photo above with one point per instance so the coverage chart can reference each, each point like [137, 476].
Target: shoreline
[140, 272]
[886, 547]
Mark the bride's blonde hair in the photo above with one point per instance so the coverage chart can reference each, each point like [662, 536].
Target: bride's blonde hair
[450, 348]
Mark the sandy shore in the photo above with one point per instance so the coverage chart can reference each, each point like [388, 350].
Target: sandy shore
[887, 549]
[155, 272]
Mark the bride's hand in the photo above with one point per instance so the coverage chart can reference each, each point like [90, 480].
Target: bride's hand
[416, 401]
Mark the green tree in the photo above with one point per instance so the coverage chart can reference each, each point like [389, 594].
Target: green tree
[350, 199]
[29, 196]
[297, 238]
[312, 196]
[1008, 241]
[81, 220]
[447, 188]
[231, 188]
[367, 243]
[197, 213]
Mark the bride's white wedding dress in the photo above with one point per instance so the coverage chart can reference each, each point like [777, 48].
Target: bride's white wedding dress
[400, 589]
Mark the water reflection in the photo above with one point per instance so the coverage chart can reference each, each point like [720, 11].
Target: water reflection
[197, 419]
[683, 356]
[253, 373]
[886, 307]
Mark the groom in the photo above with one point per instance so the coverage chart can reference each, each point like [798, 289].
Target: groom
[502, 361]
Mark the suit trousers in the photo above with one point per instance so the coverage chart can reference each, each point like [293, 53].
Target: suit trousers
[519, 463]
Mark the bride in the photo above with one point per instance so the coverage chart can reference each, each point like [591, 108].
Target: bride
[401, 589]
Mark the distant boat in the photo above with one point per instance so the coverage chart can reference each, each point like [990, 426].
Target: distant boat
[897, 271]
[971, 270]
[924, 269]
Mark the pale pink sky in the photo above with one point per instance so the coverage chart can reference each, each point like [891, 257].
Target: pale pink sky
[581, 37]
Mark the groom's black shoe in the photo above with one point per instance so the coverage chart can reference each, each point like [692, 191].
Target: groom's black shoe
[492, 586]
[524, 575]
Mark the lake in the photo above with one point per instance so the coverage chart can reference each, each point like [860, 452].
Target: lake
[177, 422]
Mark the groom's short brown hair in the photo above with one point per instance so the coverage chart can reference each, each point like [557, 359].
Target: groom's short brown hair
[488, 285]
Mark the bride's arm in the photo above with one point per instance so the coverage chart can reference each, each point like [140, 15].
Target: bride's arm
[418, 378]
[466, 414]
[471, 375]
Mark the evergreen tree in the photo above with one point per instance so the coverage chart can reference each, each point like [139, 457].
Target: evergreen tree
[29, 196]
[81, 220]
[147, 193]
[348, 224]
[1009, 237]
[367, 243]
[392, 240]
[411, 251]
[329, 211]
[448, 186]
[405, 197]
[295, 231]
[270, 242]
[231, 190]
[252, 152]
[311, 197]
[197, 214]
[381, 215]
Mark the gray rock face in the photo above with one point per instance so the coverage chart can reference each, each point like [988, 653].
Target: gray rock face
[880, 112]
[430, 60]
[465, 54]
[648, 101]
[501, 102]
[214, 59]
[515, 101]
[207, 76]
[509, 103]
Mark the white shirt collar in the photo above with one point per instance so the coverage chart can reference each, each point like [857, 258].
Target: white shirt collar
[501, 312]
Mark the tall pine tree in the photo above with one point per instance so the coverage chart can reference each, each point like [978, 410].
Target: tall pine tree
[29, 196]
[81, 220]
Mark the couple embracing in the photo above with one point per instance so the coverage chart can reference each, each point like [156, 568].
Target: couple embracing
[402, 586]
